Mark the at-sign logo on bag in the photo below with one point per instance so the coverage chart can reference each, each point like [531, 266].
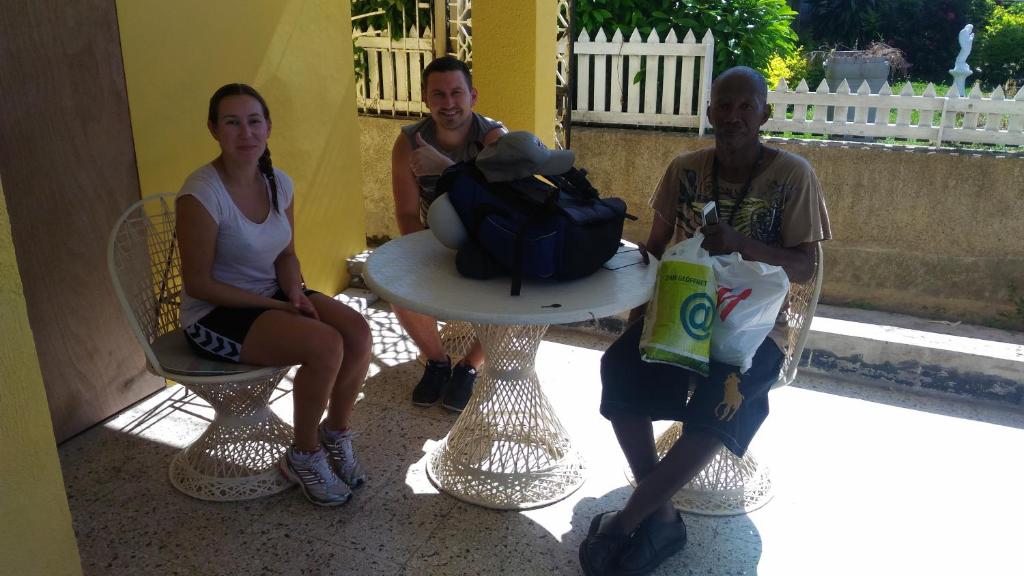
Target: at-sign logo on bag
[696, 315]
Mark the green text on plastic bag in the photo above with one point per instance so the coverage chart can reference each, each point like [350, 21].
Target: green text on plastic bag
[685, 309]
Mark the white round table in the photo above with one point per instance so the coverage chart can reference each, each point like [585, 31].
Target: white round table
[507, 450]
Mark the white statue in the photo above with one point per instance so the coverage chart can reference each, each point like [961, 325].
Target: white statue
[960, 69]
[966, 40]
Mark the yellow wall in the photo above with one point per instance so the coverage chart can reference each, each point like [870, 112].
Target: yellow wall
[298, 54]
[35, 523]
[514, 63]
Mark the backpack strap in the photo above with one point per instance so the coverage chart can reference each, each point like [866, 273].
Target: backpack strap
[518, 254]
[575, 183]
[517, 270]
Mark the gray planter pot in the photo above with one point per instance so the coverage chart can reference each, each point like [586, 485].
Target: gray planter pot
[856, 67]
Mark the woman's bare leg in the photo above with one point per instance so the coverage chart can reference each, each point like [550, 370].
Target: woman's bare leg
[279, 338]
[358, 346]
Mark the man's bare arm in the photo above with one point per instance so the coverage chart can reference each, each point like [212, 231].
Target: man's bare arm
[404, 187]
[660, 236]
[494, 134]
[798, 262]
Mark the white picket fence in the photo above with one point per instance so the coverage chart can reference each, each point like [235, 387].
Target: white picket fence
[390, 83]
[608, 94]
[388, 78]
[926, 117]
[676, 86]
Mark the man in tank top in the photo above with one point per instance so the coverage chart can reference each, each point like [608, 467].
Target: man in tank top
[452, 133]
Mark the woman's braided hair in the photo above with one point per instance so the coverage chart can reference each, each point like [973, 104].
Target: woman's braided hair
[266, 166]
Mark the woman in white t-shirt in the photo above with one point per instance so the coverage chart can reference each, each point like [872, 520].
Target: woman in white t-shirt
[244, 300]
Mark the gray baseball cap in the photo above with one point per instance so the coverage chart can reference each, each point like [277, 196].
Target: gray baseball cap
[521, 155]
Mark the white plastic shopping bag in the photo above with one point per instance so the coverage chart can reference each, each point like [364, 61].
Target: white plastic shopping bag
[677, 327]
[750, 295]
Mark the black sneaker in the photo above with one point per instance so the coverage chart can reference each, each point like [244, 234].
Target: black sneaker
[460, 388]
[435, 376]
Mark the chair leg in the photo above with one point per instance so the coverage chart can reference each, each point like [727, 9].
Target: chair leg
[458, 338]
[727, 486]
[236, 457]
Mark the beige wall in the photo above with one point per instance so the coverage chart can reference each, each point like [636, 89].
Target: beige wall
[933, 234]
[930, 233]
[376, 138]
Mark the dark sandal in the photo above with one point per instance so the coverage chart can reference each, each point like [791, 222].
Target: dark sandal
[595, 523]
[652, 544]
[599, 551]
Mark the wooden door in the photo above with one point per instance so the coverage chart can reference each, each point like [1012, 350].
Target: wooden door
[67, 163]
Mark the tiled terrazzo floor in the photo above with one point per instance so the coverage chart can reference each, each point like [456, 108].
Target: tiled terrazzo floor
[868, 481]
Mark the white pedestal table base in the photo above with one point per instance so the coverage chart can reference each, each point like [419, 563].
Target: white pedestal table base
[507, 450]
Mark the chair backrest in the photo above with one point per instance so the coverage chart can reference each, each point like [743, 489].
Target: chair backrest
[803, 301]
[142, 256]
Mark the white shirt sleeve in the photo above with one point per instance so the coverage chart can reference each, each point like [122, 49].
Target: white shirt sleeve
[205, 185]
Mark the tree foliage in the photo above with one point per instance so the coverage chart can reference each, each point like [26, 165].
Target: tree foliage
[1000, 50]
[846, 23]
[924, 30]
[747, 32]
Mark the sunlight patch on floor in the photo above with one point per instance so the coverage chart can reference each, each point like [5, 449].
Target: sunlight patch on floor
[416, 474]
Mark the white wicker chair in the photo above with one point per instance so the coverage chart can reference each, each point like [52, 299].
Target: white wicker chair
[728, 485]
[236, 457]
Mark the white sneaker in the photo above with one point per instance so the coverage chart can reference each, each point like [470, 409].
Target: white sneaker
[341, 455]
[313, 473]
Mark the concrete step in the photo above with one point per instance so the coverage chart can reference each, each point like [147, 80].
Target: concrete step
[940, 357]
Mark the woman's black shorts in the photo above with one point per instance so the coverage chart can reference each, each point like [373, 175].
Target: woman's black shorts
[219, 335]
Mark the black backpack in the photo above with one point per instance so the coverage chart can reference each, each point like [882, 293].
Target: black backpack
[528, 228]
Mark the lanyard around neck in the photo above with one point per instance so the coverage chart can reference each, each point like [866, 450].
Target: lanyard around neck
[743, 191]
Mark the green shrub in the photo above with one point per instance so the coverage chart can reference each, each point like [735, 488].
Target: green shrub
[1017, 301]
[793, 68]
[999, 49]
[747, 32]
